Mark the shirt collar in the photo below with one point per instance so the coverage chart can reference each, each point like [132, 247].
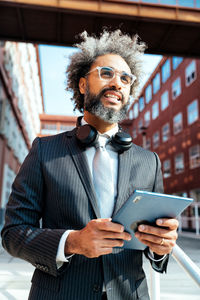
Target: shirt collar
[108, 134]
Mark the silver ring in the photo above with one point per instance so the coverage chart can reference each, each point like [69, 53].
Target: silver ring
[162, 242]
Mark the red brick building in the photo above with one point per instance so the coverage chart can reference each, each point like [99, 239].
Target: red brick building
[53, 124]
[21, 102]
[166, 119]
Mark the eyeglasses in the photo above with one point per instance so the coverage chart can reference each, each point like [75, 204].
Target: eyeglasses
[108, 73]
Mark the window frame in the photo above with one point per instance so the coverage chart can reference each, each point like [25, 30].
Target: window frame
[178, 79]
[166, 134]
[195, 73]
[177, 171]
[175, 132]
[195, 110]
[156, 104]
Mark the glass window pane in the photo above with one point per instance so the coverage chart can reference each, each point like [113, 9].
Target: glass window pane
[186, 3]
[155, 110]
[156, 83]
[165, 71]
[179, 163]
[130, 115]
[168, 2]
[148, 93]
[141, 103]
[166, 168]
[165, 132]
[192, 112]
[176, 88]
[177, 123]
[156, 139]
[135, 110]
[164, 100]
[147, 119]
[190, 73]
[194, 156]
[176, 60]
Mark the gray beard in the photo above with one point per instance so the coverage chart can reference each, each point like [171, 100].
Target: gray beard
[92, 104]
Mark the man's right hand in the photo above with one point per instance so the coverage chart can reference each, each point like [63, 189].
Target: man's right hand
[97, 238]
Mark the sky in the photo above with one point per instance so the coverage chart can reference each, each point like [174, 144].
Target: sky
[54, 61]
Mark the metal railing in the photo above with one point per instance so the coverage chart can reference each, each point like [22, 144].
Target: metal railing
[184, 261]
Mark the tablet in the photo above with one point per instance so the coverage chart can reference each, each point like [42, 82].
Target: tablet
[144, 208]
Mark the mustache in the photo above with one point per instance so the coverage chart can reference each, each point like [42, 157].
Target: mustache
[111, 89]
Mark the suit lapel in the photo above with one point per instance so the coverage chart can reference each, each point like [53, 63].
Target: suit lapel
[81, 164]
[123, 178]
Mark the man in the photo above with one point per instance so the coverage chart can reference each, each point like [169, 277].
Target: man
[78, 251]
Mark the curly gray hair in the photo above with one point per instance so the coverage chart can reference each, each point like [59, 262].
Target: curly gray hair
[130, 49]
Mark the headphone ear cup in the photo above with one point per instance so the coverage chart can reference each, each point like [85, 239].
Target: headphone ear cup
[87, 135]
[121, 141]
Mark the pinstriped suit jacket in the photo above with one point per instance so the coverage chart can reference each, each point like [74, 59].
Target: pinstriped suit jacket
[53, 192]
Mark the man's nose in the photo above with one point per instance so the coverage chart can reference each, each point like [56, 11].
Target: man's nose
[116, 82]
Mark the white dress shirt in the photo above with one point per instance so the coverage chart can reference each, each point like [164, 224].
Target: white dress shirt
[90, 152]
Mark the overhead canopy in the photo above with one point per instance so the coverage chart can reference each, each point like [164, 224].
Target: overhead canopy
[168, 30]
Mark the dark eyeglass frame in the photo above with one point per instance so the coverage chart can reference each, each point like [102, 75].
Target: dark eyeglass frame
[114, 72]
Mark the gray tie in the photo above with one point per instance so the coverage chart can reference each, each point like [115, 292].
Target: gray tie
[103, 181]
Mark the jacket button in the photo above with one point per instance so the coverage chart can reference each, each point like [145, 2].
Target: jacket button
[96, 288]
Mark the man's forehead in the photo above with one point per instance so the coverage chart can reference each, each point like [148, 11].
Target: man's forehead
[111, 60]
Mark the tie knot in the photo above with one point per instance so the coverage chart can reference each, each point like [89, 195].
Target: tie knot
[102, 142]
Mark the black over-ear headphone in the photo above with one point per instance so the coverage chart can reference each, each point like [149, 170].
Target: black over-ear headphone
[87, 136]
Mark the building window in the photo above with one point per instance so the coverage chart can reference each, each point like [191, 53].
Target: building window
[194, 156]
[148, 93]
[176, 88]
[166, 168]
[66, 127]
[192, 112]
[179, 163]
[140, 125]
[135, 110]
[130, 115]
[134, 133]
[8, 177]
[141, 103]
[176, 60]
[49, 126]
[165, 71]
[165, 132]
[190, 73]
[156, 83]
[155, 110]
[148, 143]
[147, 118]
[164, 100]
[156, 139]
[178, 123]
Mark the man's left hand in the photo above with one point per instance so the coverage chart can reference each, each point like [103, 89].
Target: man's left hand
[160, 239]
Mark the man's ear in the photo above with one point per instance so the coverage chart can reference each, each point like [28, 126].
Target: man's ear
[82, 85]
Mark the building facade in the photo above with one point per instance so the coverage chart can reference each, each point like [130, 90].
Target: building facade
[54, 124]
[166, 119]
[21, 102]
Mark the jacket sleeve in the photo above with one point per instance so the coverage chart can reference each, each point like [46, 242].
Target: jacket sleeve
[22, 235]
[159, 266]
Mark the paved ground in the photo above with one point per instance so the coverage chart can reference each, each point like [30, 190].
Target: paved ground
[15, 276]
